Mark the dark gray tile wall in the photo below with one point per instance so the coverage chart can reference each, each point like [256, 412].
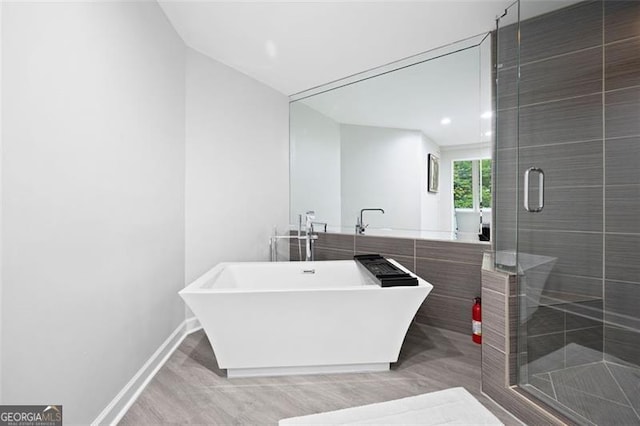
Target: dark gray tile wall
[622, 156]
[385, 245]
[575, 119]
[499, 350]
[621, 113]
[562, 32]
[622, 300]
[454, 270]
[622, 345]
[578, 120]
[620, 20]
[572, 74]
[452, 267]
[622, 181]
[622, 67]
[564, 335]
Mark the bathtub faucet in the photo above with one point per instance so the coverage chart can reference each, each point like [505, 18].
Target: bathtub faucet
[309, 236]
[360, 226]
[305, 232]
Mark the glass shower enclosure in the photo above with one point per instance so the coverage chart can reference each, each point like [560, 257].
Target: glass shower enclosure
[567, 195]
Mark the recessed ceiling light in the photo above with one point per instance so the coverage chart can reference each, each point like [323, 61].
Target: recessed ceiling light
[487, 114]
[271, 49]
[445, 121]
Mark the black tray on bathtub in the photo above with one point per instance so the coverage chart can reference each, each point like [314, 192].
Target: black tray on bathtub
[388, 274]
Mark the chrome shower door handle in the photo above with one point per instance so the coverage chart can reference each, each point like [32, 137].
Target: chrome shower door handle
[527, 177]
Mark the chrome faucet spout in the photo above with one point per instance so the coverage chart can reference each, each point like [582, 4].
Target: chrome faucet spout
[360, 226]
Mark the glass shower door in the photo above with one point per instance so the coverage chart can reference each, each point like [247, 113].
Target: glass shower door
[567, 191]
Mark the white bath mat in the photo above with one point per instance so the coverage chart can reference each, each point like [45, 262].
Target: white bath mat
[453, 406]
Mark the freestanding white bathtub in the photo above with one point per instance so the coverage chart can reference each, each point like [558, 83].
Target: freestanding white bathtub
[266, 319]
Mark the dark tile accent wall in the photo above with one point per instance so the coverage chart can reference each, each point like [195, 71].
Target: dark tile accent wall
[622, 157]
[622, 67]
[620, 20]
[499, 350]
[564, 31]
[326, 247]
[454, 270]
[622, 345]
[621, 304]
[557, 77]
[622, 181]
[385, 245]
[561, 335]
[452, 267]
[621, 113]
[568, 120]
[578, 120]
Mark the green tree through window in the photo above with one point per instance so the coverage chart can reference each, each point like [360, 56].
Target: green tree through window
[486, 183]
[472, 184]
[463, 185]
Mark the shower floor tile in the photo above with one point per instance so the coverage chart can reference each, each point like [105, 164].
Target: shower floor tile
[602, 392]
[593, 379]
[629, 380]
[542, 382]
[597, 410]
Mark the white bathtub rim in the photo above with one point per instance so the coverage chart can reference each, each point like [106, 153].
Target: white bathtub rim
[368, 287]
[196, 287]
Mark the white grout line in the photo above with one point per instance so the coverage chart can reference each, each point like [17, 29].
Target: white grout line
[564, 346]
[576, 366]
[617, 364]
[553, 387]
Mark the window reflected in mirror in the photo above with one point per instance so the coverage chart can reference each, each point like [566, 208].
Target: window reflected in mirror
[472, 196]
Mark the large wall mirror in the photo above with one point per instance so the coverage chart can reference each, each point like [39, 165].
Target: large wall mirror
[412, 138]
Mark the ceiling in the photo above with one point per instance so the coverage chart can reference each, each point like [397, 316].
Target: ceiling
[296, 45]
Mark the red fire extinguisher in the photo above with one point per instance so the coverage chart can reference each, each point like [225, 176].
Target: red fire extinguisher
[476, 321]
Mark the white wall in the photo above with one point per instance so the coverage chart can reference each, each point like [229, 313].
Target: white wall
[237, 160]
[315, 165]
[381, 168]
[1, 346]
[93, 198]
[448, 155]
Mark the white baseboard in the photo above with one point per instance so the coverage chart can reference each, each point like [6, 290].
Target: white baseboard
[118, 407]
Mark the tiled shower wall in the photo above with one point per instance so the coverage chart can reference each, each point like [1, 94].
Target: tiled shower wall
[579, 120]
[453, 268]
[622, 181]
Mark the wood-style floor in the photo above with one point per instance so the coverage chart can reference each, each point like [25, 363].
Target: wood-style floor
[191, 389]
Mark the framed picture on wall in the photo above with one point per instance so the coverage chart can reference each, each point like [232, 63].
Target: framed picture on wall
[433, 172]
